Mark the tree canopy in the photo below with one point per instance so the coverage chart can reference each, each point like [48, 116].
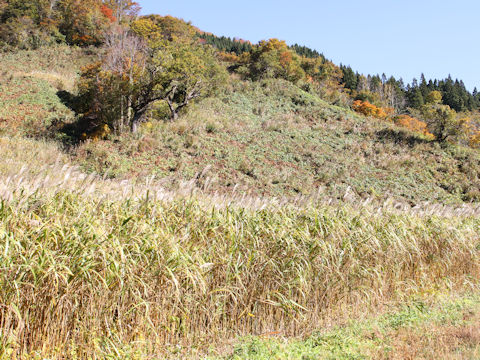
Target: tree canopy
[34, 23]
[273, 59]
[156, 60]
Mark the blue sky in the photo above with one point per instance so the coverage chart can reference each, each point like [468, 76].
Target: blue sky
[397, 37]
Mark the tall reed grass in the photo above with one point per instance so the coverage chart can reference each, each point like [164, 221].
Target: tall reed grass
[21, 179]
[81, 274]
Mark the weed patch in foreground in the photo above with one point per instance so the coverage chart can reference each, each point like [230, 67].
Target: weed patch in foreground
[449, 330]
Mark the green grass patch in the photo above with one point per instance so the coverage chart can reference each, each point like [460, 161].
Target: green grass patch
[383, 337]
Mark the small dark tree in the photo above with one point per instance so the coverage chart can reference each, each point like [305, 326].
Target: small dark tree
[415, 98]
[442, 121]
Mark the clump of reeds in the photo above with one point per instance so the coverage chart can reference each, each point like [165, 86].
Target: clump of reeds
[58, 177]
[81, 274]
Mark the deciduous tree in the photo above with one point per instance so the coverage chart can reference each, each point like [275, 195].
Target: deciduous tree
[123, 11]
[82, 22]
[273, 59]
[434, 97]
[138, 70]
[441, 120]
[367, 109]
[413, 124]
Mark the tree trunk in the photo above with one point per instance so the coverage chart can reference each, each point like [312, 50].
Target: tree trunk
[134, 127]
[173, 110]
[129, 96]
[137, 119]
[50, 9]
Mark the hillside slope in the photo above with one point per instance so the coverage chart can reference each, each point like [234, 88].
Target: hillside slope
[268, 137]
[272, 138]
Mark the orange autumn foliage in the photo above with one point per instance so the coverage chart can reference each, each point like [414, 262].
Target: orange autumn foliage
[286, 57]
[413, 124]
[82, 39]
[228, 57]
[108, 13]
[367, 109]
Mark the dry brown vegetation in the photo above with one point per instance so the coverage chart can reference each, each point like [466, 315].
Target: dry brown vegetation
[436, 342]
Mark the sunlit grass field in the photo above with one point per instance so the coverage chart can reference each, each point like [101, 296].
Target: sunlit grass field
[448, 330]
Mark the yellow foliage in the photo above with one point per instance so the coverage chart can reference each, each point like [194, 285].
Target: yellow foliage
[228, 57]
[472, 130]
[367, 109]
[99, 133]
[434, 97]
[413, 124]
[474, 140]
[273, 44]
[169, 28]
[145, 27]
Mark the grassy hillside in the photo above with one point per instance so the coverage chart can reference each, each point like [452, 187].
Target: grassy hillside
[31, 84]
[271, 138]
[266, 138]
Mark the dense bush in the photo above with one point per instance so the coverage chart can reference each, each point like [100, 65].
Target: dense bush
[367, 109]
[272, 59]
[157, 60]
[29, 24]
[413, 124]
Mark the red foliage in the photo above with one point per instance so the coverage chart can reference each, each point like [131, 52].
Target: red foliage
[108, 13]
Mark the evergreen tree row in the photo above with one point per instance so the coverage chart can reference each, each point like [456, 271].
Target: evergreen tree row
[226, 44]
[454, 92]
[306, 52]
